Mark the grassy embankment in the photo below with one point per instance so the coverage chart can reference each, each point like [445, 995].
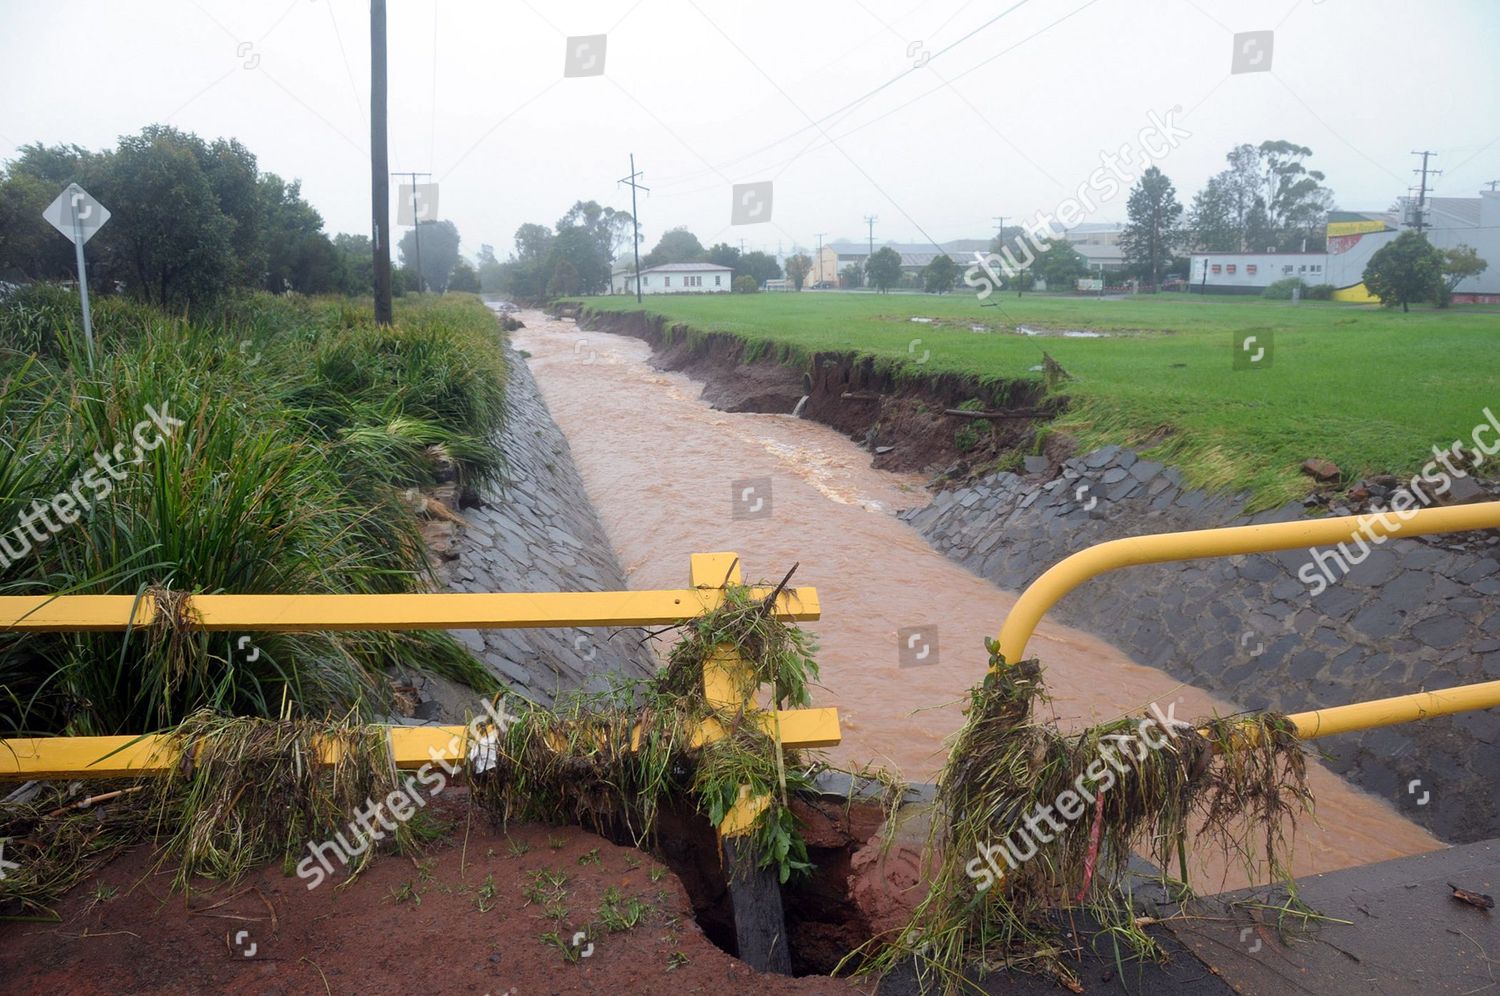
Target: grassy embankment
[303, 423]
[1369, 388]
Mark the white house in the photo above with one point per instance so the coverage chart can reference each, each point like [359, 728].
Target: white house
[673, 278]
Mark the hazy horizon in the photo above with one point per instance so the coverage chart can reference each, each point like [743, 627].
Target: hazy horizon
[1007, 121]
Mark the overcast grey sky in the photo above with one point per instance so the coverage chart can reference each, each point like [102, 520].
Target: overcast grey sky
[1007, 121]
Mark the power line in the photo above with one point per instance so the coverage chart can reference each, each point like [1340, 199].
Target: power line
[870, 220]
[840, 111]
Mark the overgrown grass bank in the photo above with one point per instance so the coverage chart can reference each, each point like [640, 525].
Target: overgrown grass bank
[1371, 389]
[285, 433]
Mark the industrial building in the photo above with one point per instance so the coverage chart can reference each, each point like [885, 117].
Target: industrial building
[1353, 237]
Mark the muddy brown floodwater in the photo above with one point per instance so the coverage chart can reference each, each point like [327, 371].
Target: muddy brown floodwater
[661, 467]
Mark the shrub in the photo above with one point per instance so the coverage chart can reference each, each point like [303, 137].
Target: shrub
[302, 423]
[1319, 292]
[1282, 289]
[745, 284]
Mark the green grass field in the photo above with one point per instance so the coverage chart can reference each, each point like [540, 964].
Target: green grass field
[1370, 388]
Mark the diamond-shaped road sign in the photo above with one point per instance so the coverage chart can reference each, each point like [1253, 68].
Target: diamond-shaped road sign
[75, 211]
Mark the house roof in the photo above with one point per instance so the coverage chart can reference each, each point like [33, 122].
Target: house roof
[1464, 209]
[674, 268]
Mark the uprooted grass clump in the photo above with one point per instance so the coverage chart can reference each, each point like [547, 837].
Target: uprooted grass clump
[243, 792]
[1004, 869]
[609, 761]
[255, 790]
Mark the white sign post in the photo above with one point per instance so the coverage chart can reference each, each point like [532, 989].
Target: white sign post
[78, 216]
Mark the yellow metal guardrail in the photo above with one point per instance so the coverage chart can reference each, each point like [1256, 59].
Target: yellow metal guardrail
[411, 746]
[1064, 576]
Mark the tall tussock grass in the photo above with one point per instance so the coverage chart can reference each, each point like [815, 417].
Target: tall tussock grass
[259, 448]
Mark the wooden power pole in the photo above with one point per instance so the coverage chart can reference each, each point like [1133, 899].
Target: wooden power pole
[635, 222]
[380, 179]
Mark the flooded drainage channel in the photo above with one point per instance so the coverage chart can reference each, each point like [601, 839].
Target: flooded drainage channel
[671, 476]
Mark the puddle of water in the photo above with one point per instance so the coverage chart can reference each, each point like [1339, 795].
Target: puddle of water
[664, 469]
[1064, 333]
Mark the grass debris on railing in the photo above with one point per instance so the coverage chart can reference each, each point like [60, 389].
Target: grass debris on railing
[251, 790]
[1237, 786]
[608, 761]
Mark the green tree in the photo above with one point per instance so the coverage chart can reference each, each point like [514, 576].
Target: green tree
[233, 174]
[317, 266]
[491, 270]
[1215, 218]
[744, 285]
[797, 269]
[565, 281]
[589, 267]
[678, 245]
[439, 252]
[526, 274]
[1459, 264]
[29, 247]
[723, 254]
[760, 267]
[610, 229]
[883, 268]
[851, 276]
[939, 275]
[1151, 229]
[357, 263]
[285, 226]
[464, 277]
[167, 239]
[1406, 269]
[1295, 199]
[1267, 198]
[1059, 264]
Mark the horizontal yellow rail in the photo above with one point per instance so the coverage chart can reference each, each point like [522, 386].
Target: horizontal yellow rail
[1068, 574]
[411, 747]
[1395, 710]
[314, 613]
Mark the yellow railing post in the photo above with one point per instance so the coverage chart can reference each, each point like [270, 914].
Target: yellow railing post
[755, 893]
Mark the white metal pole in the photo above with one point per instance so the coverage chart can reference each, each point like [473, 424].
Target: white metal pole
[83, 284]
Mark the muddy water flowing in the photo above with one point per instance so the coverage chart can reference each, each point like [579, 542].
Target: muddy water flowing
[665, 472]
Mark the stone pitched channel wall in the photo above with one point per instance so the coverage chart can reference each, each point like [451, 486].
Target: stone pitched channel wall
[539, 532]
[1414, 614]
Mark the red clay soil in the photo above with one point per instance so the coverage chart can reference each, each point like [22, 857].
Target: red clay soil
[456, 919]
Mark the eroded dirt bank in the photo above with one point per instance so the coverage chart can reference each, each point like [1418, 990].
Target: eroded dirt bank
[909, 424]
[666, 471]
